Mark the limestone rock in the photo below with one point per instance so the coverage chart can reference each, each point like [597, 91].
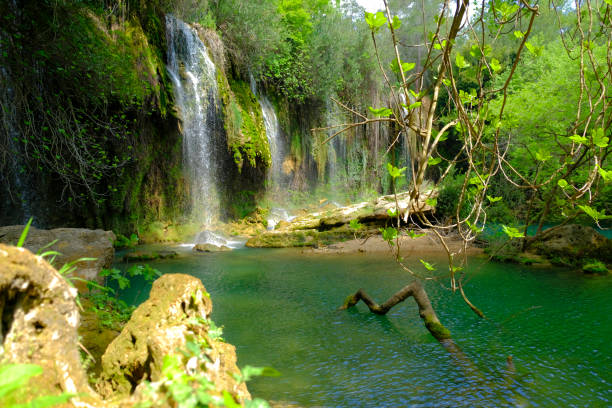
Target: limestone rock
[140, 256]
[330, 224]
[572, 242]
[175, 311]
[39, 324]
[72, 244]
[210, 248]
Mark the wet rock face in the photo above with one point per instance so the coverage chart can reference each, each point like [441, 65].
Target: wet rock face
[39, 321]
[175, 313]
[72, 244]
[574, 242]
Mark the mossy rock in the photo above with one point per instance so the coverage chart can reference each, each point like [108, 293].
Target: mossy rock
[211, 248]
[139, 256]
[595, 267]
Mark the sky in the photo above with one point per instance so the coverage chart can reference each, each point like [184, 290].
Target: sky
[371, 5]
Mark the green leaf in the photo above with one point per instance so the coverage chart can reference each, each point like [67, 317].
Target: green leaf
[536, 51]
[256, 403]
[432, 202]
[15, 376]
[249, 372]
[49, 401]
[474, 227]
[406, 66]
[562, 183]
[594, 214]
[380, 111]
[432, 161]
[355, 224]
[519, 34]
[414, 235]
[542, 155]
[599, 139]
[24, 233]
[229, 401]
[389, 234]
[578, 139]
[375, 21]
[446, 81]
[495, 65]
[427, 265]
[461, 62]
[394, 171]
[606, 175]
[392, 212]
[493, 199]
[512, 232]
[396, 23]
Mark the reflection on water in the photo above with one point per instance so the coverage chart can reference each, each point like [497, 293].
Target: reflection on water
[279, 309]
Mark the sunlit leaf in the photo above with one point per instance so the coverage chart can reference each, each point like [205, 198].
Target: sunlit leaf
[380, 111]
[493, 199]
[396, 23]
[375, 21]
[562, 183]
[578, 139]
[512, 232]
[461, 62]
[495, 65]
[427, 265]
[599, 139]
[432, 161]
[395, 172]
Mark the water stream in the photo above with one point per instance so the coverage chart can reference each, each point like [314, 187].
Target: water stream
[279, 309]
[193, 76]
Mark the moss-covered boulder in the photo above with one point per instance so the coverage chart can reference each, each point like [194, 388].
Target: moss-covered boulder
[140, 256]
[211, 248]
[572, 243]
[175, 314]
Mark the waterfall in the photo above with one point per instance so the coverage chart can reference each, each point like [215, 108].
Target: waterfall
[336, 149]
[193, 76]
[277, 149]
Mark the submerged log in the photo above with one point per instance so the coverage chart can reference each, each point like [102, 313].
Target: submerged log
[415, 290]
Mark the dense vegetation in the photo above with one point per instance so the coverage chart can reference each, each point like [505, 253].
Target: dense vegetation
[89, 124]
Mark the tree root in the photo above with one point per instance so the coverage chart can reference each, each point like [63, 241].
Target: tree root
[416, 290]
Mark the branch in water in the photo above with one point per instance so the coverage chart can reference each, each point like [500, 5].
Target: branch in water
[416, 290]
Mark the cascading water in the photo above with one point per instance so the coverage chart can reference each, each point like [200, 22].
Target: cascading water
[277, 149]
[336, 150]
[193, 75]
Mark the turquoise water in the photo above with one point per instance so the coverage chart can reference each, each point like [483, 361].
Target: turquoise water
[278, 307]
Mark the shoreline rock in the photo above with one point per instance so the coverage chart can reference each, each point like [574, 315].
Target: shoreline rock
[72, 244]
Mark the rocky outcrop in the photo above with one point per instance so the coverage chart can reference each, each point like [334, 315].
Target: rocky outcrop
[210, 248]
[175, 314]
[39, 326]
[571, 243]
[39, 323]
[331, 224]
[71, 243]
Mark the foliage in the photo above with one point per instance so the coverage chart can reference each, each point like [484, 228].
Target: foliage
[14, 381]
[184, 382]
[124, 242]
[104, 299]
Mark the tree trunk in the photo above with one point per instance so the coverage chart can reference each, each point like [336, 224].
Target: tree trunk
[416, 290]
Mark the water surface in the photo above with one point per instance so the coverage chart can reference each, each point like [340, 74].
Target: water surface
[278, 307]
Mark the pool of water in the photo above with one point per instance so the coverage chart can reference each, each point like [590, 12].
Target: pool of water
[279, 308]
